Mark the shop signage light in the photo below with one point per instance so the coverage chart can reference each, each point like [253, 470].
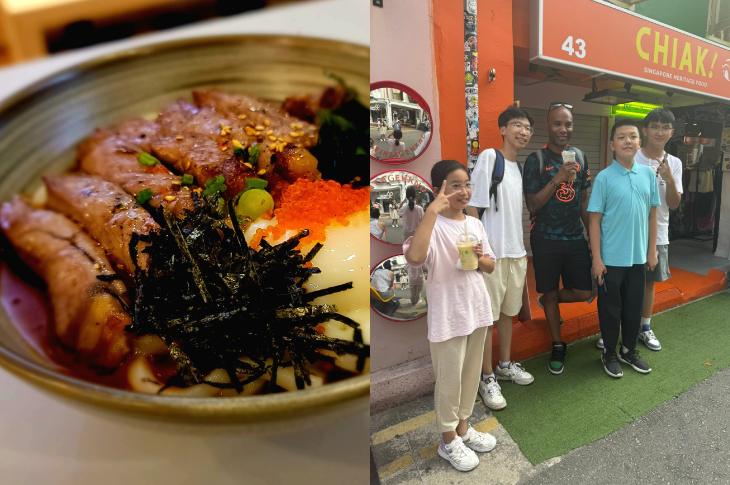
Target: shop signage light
[593, 36]
[633, 110]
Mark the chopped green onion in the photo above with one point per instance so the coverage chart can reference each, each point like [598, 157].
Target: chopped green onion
[239, 152]
[147, 160]
[144, 196]
[253, 183]
[254, 154]
[214, 185]
[187, 179]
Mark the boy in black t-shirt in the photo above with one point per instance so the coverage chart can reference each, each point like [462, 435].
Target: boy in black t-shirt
[557, 198]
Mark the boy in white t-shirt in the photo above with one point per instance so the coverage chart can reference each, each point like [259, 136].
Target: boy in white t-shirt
[658, 129]
[502, 219]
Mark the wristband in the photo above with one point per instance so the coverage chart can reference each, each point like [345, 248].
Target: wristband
[556, 187]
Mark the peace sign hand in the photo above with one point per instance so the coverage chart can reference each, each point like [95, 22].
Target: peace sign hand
[442, 201]
[664, 171]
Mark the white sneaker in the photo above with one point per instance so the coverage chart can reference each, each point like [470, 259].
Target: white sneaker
[477, 441]
[599, 344]
[457, 453]
[515, 373]
[491, 394]
[650, 340]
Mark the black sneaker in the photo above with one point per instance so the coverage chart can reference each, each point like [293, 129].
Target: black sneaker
[557, 358]
[610, 363]
[632, 358]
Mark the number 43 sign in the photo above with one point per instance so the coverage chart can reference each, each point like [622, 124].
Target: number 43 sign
[579, 51]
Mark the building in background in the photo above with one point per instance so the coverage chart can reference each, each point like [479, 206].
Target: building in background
[469, 60]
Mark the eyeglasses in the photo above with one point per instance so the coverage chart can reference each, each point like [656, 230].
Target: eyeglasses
[459, 187]
[521, 127]
[558, 105]
[661, 129]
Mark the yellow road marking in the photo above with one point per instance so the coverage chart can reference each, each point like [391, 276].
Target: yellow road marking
[487, 425]
[397, 465]
[429, 452]
[402, 428]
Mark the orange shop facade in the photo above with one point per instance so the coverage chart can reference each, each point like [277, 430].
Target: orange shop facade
[462, 62]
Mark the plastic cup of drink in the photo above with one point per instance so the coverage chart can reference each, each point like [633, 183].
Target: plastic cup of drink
[569, 156]
[465, 244]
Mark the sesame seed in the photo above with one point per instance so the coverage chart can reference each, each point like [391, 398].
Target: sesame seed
[294, 134]
[267, 122]
[259, 127]
[97, 266]
[169, 198]
[272, 146]
[272, 138]
[257, 133]
[237, 144]
[224, 148]
[293, 126]
[270, 132]
[299, 145]
[261, 172]
[180, 137]
[242, 117]
[187, 165]
[249, 165]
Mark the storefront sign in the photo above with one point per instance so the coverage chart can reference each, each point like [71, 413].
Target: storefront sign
[397, 178]
[594, 36]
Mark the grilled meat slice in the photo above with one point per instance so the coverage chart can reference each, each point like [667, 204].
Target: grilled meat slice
[259, 113]
[192, 143]
[87, 317]
[103, 210]
[116, 159]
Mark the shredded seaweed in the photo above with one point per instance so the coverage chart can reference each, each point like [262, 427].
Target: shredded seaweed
[215, 301]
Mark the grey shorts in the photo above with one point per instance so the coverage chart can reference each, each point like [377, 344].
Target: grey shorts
[661, 272]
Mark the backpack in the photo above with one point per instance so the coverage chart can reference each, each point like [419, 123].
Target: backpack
[497, 176]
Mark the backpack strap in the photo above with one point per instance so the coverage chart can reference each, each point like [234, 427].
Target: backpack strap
[580, 157]
[497, 176]
[541, 160]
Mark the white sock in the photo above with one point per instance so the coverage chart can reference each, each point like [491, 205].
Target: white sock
[485, 377]
[645, 321]
[503, 365]
[624, 349]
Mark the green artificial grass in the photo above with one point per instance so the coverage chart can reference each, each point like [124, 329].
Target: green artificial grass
[558, 413]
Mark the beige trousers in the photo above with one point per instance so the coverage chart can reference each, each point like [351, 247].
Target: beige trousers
[457, 366]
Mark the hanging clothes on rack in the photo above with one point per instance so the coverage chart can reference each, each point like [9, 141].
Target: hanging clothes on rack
[705, 183]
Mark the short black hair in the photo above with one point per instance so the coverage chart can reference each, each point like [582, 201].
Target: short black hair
[511, 113]
[442, 169]
[623, 122]
[387, 264]
[659, 115]
[374, 213]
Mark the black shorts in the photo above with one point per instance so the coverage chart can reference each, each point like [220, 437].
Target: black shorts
[552, 260]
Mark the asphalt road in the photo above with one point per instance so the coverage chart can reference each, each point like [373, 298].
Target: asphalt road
[684, 441]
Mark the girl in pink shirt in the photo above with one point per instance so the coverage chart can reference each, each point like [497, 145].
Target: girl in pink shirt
[459, 311]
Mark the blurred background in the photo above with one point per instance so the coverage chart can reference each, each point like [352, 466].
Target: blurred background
[30, 29]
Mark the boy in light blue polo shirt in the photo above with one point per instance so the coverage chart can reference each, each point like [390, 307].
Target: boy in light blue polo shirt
[623, 230]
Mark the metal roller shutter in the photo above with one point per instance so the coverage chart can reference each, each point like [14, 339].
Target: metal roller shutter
[586, 136]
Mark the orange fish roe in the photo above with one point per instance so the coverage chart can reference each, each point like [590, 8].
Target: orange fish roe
[314, 206]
